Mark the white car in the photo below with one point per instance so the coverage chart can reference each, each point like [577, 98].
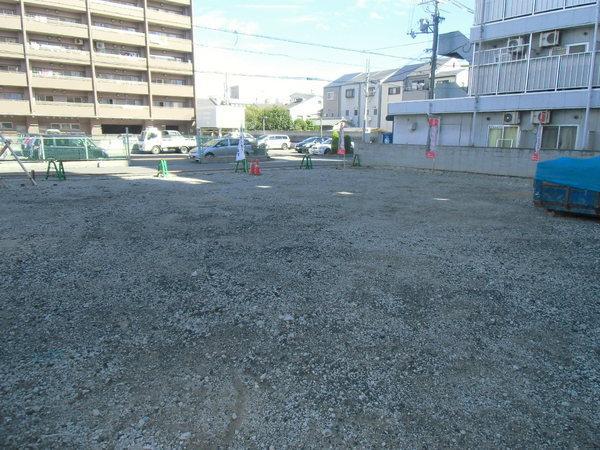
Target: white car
[153, 140]
[322, 148]
[273, 141]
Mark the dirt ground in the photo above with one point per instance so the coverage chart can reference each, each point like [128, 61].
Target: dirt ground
[327, 308]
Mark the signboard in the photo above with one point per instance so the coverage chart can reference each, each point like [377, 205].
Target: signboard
[341, 149]
[538, 144]
[434, 135]
[241, 152]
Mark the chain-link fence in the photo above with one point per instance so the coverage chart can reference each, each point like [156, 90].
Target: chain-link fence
[72, 147]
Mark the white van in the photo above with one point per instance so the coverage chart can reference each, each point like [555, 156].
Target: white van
[272, 141]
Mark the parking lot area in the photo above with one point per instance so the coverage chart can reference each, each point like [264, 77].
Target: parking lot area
[318, 308]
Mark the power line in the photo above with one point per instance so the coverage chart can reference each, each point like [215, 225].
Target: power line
[401, 45]
[283, 55]
[256, 75]
[311, 44]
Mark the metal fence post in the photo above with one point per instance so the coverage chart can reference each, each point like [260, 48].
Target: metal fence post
[85, 145]
[128, 152]
[42, 149]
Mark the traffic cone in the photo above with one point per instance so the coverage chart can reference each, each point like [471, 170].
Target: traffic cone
[257, 170]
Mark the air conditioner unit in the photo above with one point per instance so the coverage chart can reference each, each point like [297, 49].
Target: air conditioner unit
[549, 39]
[512, 118]
[100, 45]
[540, 117]
[515, 42]
[79, 41]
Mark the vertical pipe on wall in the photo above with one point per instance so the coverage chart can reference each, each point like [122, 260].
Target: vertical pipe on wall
[586, 138]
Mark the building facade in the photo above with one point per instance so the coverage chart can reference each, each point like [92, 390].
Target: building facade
[346, 97]
[96, 66]
[535, 67]
[305, 106]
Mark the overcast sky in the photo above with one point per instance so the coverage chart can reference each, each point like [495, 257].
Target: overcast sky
[357, 24]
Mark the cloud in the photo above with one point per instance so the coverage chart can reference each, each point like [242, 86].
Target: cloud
[375, 15]
[219, 19]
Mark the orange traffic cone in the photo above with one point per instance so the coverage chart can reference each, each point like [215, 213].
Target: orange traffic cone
[257, 170]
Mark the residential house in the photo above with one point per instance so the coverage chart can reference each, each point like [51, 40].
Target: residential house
[305, 106]
[535, 67]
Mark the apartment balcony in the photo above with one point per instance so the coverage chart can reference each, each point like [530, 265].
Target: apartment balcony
[58, 54]
[118, 36]
[13, 79]
[61, 82]
[172, 90]
[10, 22]
[123, 112]
[179, 2]
[161, 113]
[14, 107]
[120, 61]
[117, 10]
[169, 19]
[171, 66]
[75, 5]
[63, 109]
[10, 50]
[550, 73]
[44, 25]
[497, 10]
[122, 86]
[170, 43]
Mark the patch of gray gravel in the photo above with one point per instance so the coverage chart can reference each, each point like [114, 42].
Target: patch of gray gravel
[327, 308]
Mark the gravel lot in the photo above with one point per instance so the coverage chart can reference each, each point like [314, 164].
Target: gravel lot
[327, 308]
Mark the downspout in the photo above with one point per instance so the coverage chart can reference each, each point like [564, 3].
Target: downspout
[194, 71]
[586, 138]
[474, 76]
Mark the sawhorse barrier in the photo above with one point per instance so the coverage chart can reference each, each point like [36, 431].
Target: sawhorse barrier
[59, 169]
[306, 162]
[243, 169]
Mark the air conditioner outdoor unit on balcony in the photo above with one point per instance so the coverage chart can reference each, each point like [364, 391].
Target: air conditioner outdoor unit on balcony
[79, 41]
[549, 39]
[515, 42]
[100, 45]
[512, 118]
[540, 117]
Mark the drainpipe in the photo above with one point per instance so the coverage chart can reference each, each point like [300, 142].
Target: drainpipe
[586, 139]
[475, 76]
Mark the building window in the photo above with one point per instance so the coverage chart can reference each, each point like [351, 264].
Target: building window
[503, 136]
[562, 137]
[65, 126]
[330, 95]
[371, 91]
[374, 111]
[577, 48]
[76, 99]
[6, 126]
[11, 96]
[44, 98]
[356, 112]
[349, 93]
[347, 112]
[394, 90]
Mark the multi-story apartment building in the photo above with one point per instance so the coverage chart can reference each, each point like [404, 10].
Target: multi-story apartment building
[96, 66]
[345, 97]
[535, 64]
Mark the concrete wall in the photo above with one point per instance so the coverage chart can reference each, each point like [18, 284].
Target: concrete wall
[507, 162]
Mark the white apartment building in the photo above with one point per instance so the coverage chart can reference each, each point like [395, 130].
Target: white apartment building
[535, 64]
[96, 66]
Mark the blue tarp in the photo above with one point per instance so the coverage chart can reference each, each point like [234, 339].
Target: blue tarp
[581, 173]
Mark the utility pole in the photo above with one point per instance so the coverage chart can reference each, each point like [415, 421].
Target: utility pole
[434, 49]
[367, 85]
[433, 27]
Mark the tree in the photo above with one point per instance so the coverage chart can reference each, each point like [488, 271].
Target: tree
[275, 118]
[299, 124]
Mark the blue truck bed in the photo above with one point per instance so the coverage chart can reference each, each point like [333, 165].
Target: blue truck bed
[569, 185]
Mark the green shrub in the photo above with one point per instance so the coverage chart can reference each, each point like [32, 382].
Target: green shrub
[335, 141]
[348, 143]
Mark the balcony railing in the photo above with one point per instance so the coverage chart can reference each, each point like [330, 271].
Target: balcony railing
[548, 73]
[497, 10]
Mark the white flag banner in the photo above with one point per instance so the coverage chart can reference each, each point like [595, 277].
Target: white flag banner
[241, 153]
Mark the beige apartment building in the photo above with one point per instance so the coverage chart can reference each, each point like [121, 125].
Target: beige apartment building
[96, 66]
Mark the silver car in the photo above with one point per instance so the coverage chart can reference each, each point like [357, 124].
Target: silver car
[221, 147]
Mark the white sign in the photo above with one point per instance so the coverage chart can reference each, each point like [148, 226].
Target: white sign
[241, 152]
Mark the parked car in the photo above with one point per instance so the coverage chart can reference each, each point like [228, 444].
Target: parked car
[156, 141]
[274, 141]
[62, 147]
[321, 148]
[236, 134]
[220, 147]
[303, 146]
